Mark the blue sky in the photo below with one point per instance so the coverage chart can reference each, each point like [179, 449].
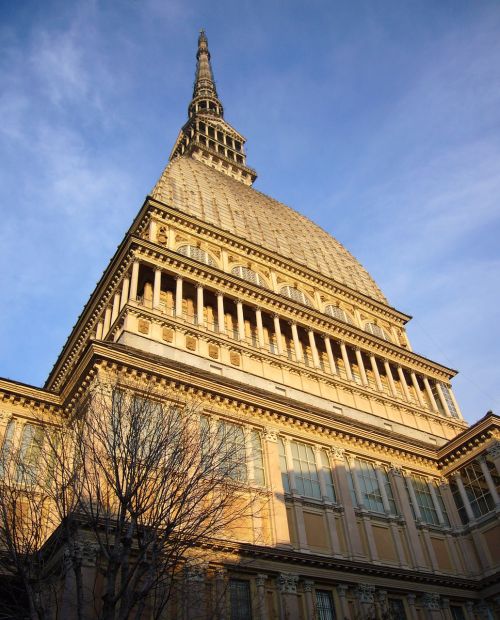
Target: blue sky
[378, 120]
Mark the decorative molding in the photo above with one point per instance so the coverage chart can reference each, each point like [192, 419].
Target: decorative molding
[494, 450]
[271, 434]
[308, 585]
[260, 580]
[195, 573]
[365, 593]
[287, 583]
[337, 453]
[431, 601]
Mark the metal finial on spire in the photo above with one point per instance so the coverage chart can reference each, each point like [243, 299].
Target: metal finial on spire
[204, 84]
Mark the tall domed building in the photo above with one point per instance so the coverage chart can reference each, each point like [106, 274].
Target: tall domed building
[382, 501]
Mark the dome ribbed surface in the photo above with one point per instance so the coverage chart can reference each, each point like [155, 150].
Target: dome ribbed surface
[194, 188]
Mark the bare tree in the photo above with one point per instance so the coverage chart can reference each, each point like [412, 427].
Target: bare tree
[138, 481]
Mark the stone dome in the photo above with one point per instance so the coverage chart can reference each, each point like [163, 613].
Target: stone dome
[194, 188]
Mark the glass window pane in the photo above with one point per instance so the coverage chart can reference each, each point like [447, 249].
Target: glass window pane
[324, 605]
[239, 594]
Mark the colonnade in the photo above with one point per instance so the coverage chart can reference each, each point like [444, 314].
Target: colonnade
[284, 338]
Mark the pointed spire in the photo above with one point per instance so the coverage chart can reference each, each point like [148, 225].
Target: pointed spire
[204, 91]
[206, 136]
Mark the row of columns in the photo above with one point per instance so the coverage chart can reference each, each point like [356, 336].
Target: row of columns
[129, 291]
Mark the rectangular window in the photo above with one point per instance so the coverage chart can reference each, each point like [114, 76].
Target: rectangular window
[29, 453]
[476, 489]
[324, 605]
[457, 612]
[396, 609]
[232, 440]
[304, 467]
[228, 440]
[424, 500]
[240, 601]
[371, 495]
[6, 447]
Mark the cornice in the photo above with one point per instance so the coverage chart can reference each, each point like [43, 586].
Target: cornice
[338, 382]
[22, 393]
[273, 408]
[358, 569]
[466, 444]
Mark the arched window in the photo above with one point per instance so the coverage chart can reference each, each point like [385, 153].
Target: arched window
[250, 276]
[191, 251]
[376, 330]
[293, 293]
[338, 313]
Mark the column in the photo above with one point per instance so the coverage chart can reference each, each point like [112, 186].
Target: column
[354, 546]
[220, 314]
[308, 587]
[494, 452]
[345, 359]
[134, 280]
[287, 588]
[289, 466]
[383, 492]
[413, 497]
[199, 305]
[388, 372]
[463, 495]
[489, 480]
[277, 334]
[260, 584]
[297, 508]
[99, 329]
[427, 385]
[296, 343]
[321, 473]
[329, 353]
[361, 366]
[157, 289]
[178, 296]
[355, 483]
[344, 607]
[432, 604]
[260, 328]
[443, 400]
[116, 307]
[435, 501]
[241, 320]
[411, 598]
[220, 593]
[125, 291]
[415, 547]
[107, 321]
[414, 380]
[402, 378]
[152, 230]
[457, 408]
[312, 344]
[376, 373]
[278, 507]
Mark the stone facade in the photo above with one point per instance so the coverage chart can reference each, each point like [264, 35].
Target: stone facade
[381, 500]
